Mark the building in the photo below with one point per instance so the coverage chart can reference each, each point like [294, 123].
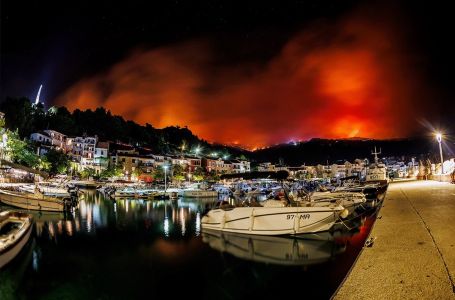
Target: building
[41, 138]
[240, 166]
[58, 140]
[266, 167]
[83, 151]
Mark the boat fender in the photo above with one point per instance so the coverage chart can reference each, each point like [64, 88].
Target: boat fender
[344, 213]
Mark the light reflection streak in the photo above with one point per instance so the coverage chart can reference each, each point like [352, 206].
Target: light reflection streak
[198, 224]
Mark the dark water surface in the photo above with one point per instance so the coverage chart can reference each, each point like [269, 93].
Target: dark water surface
[139, 249]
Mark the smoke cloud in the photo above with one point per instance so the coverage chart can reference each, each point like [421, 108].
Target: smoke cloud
[351, 78]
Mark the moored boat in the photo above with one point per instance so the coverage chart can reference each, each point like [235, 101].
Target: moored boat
[274, 218]
[197, 193]
[15, 229]
[35, 201]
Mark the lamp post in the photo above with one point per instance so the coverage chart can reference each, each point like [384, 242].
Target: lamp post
[439, 139]
[165, 167]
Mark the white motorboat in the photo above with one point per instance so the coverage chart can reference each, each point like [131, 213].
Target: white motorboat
[349, 201]
[195, 193]
[50, 191]
[15, 229]
[34, 201]
[273, 249]
[273, 218]
[377, 172]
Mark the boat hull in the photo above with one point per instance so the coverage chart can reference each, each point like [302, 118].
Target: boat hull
[30, 202]
[200, 194]
[272, 221]
[12, 250]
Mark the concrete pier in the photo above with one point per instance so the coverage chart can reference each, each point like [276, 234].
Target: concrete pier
[413, 254]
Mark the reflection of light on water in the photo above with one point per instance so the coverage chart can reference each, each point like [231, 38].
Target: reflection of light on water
[182, 221]
[60, 227]
[148, 207]
[69, 228]
[127, 202]
[83, 209]
[97, 214]
[50, 227]
[166, 227]
[198, 223]
[115, 209]
[77, 224]
[89, 218]
[35, 260]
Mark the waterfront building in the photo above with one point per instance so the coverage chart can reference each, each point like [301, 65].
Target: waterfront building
[240, 166]
[266, 166]
[83, 151]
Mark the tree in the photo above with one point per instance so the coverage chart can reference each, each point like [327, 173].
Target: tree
[59, 161]
[88, 172]
[20, 151]
[158, 173]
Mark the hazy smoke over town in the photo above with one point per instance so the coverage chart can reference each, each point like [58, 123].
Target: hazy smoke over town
[344, 79]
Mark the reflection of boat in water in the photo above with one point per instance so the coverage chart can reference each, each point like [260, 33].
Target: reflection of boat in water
[15, 229]
[272, 249]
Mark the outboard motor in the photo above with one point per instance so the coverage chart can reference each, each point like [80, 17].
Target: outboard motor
[74, 196]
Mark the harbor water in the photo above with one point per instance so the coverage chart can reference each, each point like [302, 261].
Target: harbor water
[136, 249]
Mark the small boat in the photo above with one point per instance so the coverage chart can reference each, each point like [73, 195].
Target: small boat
[35, 201]
[15, 229]
[273, 218]
[198, 193]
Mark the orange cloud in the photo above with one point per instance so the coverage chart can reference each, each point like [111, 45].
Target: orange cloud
[349, 79]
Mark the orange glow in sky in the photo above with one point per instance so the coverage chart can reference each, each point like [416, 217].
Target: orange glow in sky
[349, 79]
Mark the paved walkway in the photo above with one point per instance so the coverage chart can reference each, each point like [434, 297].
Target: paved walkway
[413, 254]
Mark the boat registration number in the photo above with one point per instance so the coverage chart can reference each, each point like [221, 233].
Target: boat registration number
[302, 217]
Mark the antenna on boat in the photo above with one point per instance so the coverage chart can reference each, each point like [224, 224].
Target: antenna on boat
[375, 153]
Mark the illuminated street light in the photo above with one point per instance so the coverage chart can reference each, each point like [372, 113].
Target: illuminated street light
[165, 167]
[197, 150]
[439, 139]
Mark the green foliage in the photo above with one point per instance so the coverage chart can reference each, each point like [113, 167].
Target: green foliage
[112, 171]
[88, 172]
[158, 174]
[59, 161]
[179, 177]
[27, 118]
[20, 151]
[137, 172]
[198, 171]
[178, 170]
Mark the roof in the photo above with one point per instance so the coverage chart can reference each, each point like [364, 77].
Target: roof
[104, 145]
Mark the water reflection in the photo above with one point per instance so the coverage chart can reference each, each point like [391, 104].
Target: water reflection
[105, 248]
[273, 249]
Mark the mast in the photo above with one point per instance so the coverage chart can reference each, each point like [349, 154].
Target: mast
[375, 153]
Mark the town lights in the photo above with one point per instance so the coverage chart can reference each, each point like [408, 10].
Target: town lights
[439, 139]
[197, 150]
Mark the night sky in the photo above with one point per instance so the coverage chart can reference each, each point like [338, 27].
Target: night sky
[250, 74]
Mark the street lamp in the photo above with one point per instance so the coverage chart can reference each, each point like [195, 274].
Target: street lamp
[197, 150]
[165, 167]
[439, 139]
